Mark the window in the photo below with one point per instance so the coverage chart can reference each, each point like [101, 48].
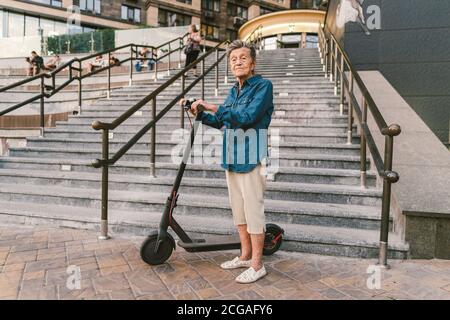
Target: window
[210, 32]
[31, 26]
[2, 29]
[131, 14]
[185, 1]
[15, 24]
[211, 5]
[237, 11]
[231, 34]
[264, 10]
[172, 19]
[55, 3]
[93, 6]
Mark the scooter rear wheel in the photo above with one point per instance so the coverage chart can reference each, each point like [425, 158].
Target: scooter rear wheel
[164, 252]
[273, 239]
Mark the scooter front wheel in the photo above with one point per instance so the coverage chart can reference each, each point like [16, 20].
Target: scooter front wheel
[273, 239]
[163, 253]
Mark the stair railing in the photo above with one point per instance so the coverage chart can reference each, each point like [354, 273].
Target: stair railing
[336, 66]
[108, 161]
[74, 66]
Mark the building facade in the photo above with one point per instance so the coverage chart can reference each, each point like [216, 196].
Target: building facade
[218, 19]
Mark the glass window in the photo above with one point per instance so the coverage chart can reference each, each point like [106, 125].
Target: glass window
[130, 13]
[211, 5]
[210, 32]
[172, 19]
[93, 6]
[48, 26]
[60, 28]
[15, 24]
[31, 26]
[185, 1]
[237, 11]
[231, 34]
[1, 23]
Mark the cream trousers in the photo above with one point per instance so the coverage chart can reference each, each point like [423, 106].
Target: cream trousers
[246, 195]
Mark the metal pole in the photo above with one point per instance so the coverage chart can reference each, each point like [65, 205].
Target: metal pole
[183, 84]
[341, 83]
[42, 114]
[203, 79]
[363, 152]
[105, 167]
[156, 65]
[335, 68]
[108, 93]
[331, 60]
[350, 112]
[216, 92]
[384, 230]
[168, 65]
[226, 66]
[153, 141]
[131, 65]
[180, 47]
[325, 67]
[79, 86]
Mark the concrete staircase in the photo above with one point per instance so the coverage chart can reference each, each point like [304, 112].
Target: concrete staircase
[315, 196]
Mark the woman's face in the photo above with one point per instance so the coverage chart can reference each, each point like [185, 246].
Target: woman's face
[241, 63]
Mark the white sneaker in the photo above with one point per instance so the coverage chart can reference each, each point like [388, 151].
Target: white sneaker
[250, 275]
[236, 263]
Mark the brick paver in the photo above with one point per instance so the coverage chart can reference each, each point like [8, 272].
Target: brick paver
[34, 264]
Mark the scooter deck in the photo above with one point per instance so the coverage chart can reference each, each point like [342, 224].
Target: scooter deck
[213, 243]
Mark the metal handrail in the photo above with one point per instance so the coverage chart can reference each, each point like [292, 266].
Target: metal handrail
[336, 64]
[75, 65]
[107, 161]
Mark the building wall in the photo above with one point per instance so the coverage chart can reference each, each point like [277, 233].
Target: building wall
[412, 51]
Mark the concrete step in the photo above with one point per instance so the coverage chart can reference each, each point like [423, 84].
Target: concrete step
[303, 238]
[285, 159]
[312, 213]
[171, 141]
[275, 190]
[287, 174]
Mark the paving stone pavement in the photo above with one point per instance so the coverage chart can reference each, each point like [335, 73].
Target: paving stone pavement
[43, 263]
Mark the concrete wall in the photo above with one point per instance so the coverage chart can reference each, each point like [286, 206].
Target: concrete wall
[19, 47]
[412, 51]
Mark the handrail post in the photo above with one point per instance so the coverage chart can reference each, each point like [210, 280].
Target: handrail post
[180, 47]
[363, 149]
[350, 113]
[216, 92]
[203, 79]
[331, 59]
[153, 141]
[131, 65]
[105, 181]
[156, 67]
[341, 84]
[325, 67]
[204, 43]
[42, 114]
[226, 65]
[79, 86]
[386, 203]
[335, 69]
[168, 64]
[108, 93]
[183, 85]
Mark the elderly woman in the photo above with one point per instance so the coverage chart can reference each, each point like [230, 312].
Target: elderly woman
[246, 113]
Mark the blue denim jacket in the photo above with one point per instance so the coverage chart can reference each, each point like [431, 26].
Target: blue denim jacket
[246, 116]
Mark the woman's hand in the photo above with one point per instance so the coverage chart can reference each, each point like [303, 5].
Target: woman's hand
[206, 107]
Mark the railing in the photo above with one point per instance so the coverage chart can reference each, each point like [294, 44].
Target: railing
[75, 66]
[107, 161]
[256, 38]
[336, 66]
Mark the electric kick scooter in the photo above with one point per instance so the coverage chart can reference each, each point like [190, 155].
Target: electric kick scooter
[158, 246]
